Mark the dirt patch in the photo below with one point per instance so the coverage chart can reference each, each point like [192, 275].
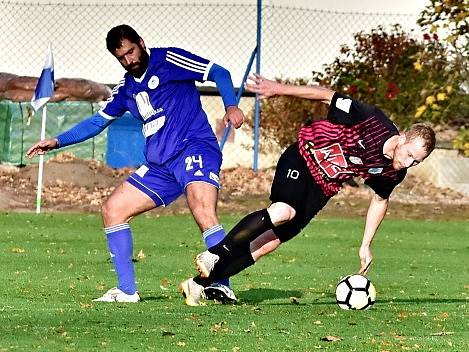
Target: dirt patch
[76, 185]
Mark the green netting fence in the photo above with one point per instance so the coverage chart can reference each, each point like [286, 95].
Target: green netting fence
[19, 130]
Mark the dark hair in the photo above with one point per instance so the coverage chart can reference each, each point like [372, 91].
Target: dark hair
[424, 131]
[117, 34]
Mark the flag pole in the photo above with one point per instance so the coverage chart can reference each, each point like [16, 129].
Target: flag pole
[41, 162]
[42, 94]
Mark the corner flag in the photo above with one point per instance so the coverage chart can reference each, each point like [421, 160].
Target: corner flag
[44, 91]
[45, 85]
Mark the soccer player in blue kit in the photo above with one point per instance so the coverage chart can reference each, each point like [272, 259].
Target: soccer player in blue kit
[181, 150]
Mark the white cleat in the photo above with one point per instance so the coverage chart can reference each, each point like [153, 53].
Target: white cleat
[116, 295]
[205, 262]
[192, 292]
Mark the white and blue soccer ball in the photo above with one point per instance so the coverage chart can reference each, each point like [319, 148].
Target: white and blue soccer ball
[355, 292]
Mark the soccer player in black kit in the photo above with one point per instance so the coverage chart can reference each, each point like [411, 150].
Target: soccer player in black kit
[356, 139]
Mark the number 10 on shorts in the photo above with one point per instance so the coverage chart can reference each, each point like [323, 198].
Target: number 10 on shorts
[194, 159]
[293, 174]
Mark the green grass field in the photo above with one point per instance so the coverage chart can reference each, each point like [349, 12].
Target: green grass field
[52, 266]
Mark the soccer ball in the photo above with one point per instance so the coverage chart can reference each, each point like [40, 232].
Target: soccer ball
[355, 292]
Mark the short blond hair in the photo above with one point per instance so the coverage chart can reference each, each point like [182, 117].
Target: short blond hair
[423, 131]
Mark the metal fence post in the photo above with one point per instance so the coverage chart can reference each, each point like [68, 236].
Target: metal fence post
[258, 70]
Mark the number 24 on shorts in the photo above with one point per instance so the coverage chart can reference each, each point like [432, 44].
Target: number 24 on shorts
[191, 160]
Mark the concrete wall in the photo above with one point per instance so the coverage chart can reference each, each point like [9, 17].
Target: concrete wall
[445, 168]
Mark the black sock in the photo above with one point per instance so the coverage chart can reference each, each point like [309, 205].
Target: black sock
[244, 232]
[232, 266]
[234, 250]
[227, 267]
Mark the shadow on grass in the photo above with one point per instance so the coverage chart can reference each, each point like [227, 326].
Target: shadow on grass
[422, 300]
[257, 295]
[155, 298]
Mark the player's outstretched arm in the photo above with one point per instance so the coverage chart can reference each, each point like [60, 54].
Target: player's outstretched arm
[267, 88]
[84, 130]
[374, 217]
[41, 147]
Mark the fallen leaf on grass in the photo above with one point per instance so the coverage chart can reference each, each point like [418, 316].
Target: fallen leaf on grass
[165, 284]
[141, 255]
[17, 250]
[219, 327]
[442, 333]
[330, 338]
[294, 300]
[441, 317]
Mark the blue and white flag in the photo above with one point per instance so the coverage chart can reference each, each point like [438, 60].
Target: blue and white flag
[45, 86]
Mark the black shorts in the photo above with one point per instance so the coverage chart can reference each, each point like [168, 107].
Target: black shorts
[293, 184]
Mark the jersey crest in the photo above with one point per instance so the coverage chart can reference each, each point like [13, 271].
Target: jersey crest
[153, 82]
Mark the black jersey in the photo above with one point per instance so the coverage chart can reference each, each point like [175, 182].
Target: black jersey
[350, 143]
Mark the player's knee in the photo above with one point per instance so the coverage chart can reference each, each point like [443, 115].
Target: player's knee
[280, 213]
[110, 214]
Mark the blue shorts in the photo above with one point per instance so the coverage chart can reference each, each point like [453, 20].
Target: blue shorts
[200, 161]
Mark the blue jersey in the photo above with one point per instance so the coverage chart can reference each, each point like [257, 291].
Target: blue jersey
[166, 99]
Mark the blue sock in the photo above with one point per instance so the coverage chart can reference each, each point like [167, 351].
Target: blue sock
[211, 237]
[119, 240]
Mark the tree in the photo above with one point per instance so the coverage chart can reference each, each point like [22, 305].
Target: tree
[449, 17]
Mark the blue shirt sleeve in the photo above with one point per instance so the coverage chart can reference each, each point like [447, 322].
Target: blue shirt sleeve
[115, 105]
[85, 129]
[221, 76]
[187, 66]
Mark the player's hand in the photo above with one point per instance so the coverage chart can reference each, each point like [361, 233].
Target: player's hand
[234, 115]
[365, 259]
[264, 87]
[41, 147]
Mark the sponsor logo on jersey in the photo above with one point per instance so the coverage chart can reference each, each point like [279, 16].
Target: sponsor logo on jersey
[375, 170]
[214, 177]
[150, 128]
[355, 160]
[153, 82]
[144, 106]
[198, 173]
[360, 143]
[331, 160]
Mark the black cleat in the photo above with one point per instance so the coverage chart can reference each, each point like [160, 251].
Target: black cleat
[221, 293]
